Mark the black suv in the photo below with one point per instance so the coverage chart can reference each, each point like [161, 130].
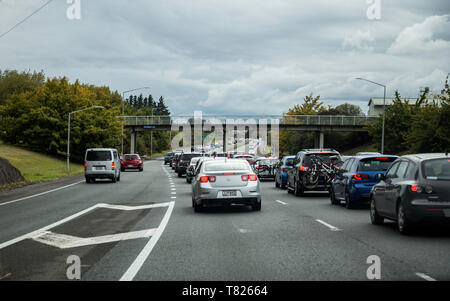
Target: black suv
[298, 178]
[183, 162]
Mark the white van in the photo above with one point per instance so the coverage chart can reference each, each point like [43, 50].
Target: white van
[101, 163]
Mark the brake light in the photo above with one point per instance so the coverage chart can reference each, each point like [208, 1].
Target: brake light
[259, 167]
[359, 176]
[85, 164]
[112, 165]
[212, 179]
[323, 153]
[303, 168]
[382, 158]
[203, 179]
[252, 177]
[415, 188]
[244, 178]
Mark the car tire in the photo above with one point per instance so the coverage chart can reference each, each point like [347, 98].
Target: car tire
[122, 169]
[277, 185]
[88, 180]
[197, 208]
[333, 199]
[118, 178]
[114, 180]
[141, 169]
[256, 206]
[188, 180]
[348, 202]
[375, 218]
[404, 225]
[297, 190]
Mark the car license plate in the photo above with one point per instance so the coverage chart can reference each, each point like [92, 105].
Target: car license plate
[229, 193]
[98, 168]
[130, 165]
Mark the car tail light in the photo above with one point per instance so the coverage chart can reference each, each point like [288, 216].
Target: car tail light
[212, 179]
[415, 188]
[112, 165]
[322, 153]
[303, 168]
[382, 158]
[85, 164]
[285, 169]
[252, 177]
[203, 179]
[360, 176]
[244, 178]
[259, 167]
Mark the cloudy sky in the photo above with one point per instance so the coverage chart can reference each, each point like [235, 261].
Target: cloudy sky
[244, 57]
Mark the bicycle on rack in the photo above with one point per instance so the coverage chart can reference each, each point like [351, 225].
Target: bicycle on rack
[320, 167]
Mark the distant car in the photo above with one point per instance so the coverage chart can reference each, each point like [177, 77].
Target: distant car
[224, 183]
[183, 162]
[265, 167]
[101, 163]
[368, 154]
[281, 169]
[356, 178]
[299, 181]
[175, 159]
[191, 169]
[414, 190]
[250, 159]
[167, 158]
[131, 161]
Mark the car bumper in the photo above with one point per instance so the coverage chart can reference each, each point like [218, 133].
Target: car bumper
[244, 194]
[426, 211]
[100, 174]
[228, 202]
[360, 192]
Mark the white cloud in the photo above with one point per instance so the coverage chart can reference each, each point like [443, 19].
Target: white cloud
[419, 38]
[361, 40]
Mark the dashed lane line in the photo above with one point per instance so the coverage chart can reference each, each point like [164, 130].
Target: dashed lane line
[332, 228]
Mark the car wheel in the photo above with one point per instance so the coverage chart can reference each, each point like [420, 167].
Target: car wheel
[333, 199]
[180, 174]
[277, 185]
[403, 223]
[375, 218]
[197, 208]
[256, 207]
[118, 178]
[122, 169]
[348, 202]
[298, 191]
[114, 180]
[141, 169]
[88, 180]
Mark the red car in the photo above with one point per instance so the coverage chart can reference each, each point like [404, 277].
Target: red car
[131, 161]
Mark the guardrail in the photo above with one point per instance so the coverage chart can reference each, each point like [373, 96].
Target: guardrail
[281, 119]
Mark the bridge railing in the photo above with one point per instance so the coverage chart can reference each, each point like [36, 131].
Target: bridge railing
[282, 119]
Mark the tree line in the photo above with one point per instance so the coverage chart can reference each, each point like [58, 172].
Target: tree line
[34, 113]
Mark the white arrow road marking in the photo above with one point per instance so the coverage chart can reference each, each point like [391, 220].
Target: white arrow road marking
[140, 259]
[332, 228]
[426, 277]
[64, 241]
[282, 203]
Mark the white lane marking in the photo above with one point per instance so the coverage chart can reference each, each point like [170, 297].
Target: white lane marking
[174, 197]
[39, 194]
[332, 228]
[128, 208]
[426, 277]
[39, 231]
[173, 189]
[63, 241]
[282, 203]
[142, 257]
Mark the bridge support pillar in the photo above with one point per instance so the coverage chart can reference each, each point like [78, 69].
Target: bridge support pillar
[133, 142]
[319, 139]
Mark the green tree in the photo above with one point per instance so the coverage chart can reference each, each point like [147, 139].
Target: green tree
[13, 82]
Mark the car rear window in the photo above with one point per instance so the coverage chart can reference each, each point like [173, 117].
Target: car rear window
[325, 158]
[437, 169]
[226, 166]
[130, 157]
[98, 156]
[289, 161]
[189, 156]
[221, 155]
[268, 162]
[375, 164]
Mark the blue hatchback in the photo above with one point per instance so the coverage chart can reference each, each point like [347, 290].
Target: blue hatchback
[281, 171]
[357, 177]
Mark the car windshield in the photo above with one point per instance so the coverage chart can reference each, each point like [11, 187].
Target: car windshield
[98, 156]
[437, 169]
[375, 164]
[226, 166]
[131, 157]
[289, 162]
[187, 157]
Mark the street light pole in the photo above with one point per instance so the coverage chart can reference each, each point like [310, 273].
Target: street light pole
[384, 109]
[68, 133]
[123, 108]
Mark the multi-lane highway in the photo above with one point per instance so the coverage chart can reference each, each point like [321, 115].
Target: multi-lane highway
[144, 228]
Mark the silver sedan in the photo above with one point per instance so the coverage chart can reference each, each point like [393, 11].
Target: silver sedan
[225, 182]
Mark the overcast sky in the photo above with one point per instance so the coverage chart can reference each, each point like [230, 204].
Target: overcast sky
[244, 57]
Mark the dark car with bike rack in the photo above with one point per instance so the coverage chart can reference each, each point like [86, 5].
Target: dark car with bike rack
[313, 170]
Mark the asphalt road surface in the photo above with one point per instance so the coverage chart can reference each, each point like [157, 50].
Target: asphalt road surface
[144, 228]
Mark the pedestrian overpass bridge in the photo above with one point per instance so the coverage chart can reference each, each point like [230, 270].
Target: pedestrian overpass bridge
[318, 124]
